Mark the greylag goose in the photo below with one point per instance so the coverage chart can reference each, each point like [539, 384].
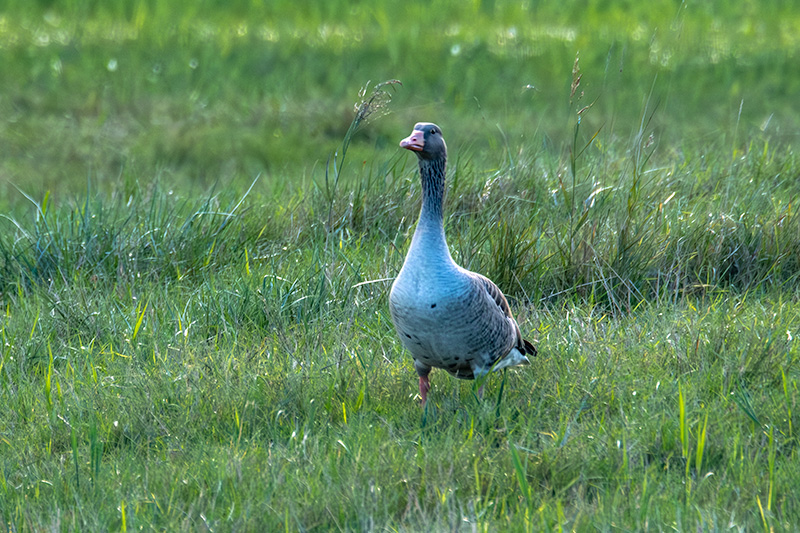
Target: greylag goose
[445, 315]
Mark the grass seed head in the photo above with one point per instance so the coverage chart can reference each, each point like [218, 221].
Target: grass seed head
[576, 78]
[376, 104]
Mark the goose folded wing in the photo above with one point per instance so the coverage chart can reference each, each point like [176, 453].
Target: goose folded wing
[496, 295]
[523, 345]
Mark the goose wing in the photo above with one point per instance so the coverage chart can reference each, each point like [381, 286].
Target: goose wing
[524, 346]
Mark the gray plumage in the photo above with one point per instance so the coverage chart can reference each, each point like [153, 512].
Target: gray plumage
[445, 315]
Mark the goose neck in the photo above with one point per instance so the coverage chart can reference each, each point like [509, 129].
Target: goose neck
[429, 238]
[432, 174]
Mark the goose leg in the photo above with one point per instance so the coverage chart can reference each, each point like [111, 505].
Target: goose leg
[424, 387]
[480, 378]
[424, 384]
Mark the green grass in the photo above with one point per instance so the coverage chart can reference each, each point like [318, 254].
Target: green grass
[197, 241]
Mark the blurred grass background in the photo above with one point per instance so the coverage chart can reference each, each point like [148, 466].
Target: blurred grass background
[205, 90]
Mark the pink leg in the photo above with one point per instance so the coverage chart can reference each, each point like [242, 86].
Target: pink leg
[424, 387]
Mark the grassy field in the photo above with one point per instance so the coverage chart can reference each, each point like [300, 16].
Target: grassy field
[198, 234]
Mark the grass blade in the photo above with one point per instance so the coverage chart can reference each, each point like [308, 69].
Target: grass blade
[139, 320]
[522, 477]
[701, 444]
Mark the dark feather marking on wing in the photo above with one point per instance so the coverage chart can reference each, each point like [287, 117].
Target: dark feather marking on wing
[530, 349]
[496, 294]
[523, 345]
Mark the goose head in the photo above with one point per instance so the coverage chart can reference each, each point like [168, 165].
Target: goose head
[427, 141]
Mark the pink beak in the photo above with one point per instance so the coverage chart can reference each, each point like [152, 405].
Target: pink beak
[415, 141]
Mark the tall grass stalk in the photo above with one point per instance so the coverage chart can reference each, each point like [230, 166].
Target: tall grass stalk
[684, 438]
[372, 104]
